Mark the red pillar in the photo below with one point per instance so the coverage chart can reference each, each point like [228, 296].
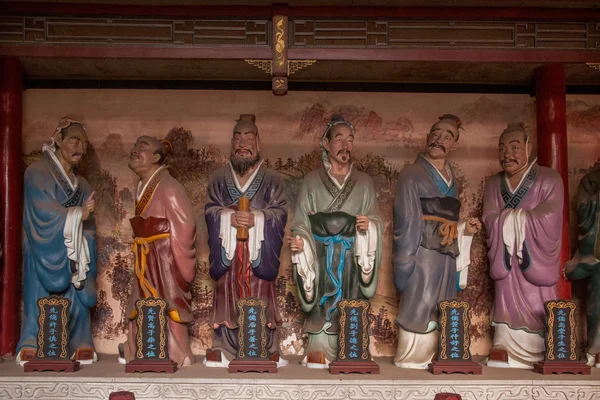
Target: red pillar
[11, 200]
[551, 107]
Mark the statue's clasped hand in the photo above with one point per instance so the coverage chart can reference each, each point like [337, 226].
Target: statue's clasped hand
[244, 219]
[296, 244]
[472, 226]
[362, 223]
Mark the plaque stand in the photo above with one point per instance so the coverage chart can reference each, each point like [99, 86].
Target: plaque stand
[451, 367]
[348, 367]
[51, 365]
[562, 367]
[253, 366]
[166, 366]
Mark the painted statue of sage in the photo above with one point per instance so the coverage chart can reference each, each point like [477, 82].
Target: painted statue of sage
[244, 267]
[586, 262]
[164, 231]
[336, 240]
[522, 213]
[59, 244]
[431, 250]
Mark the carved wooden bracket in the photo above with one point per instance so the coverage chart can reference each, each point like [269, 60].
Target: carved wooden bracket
[593, 65]
[280, 67]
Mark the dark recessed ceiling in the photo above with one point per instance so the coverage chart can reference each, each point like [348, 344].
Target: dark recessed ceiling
[396, 3]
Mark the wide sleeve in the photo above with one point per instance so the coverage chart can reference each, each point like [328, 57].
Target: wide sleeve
[44, 221]
[493, 220]
[369, 245]
[214, 210]
[180, 214]
[408, 229]
[543, 232]
[305, 263]
[273, 219]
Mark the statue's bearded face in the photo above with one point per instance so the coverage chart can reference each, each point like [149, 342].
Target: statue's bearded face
[513, 152]
[340, 143]
[73, 146]
[144, 154]
[244, 149]
[441, 140]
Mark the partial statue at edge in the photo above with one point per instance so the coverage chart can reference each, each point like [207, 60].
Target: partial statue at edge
[522, 213]
[59, 244]
[431, 252]
[244, 267]
[164, 230]
[586, 262]
[336, 241]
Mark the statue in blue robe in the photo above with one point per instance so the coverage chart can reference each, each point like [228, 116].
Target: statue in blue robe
[59, 245]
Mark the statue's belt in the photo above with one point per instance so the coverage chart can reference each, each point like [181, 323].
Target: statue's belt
[142, 243]
[448, 229]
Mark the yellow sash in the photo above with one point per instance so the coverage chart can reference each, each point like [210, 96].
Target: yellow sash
[142, 243]
[448, 230]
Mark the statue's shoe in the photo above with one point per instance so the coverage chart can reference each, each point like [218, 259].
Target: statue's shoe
[215, 359]
[122, 354]
[26, 354]
[281, 362]
[315, 360]
[85, 355]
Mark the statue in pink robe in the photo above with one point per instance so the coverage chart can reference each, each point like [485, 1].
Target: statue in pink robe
[165, 226]
[522, 213]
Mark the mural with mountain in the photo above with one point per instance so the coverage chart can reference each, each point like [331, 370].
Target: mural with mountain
[390, 130]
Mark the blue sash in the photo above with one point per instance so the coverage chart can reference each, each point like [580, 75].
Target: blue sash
[329, 242]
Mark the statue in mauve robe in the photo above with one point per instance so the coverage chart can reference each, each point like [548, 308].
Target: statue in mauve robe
[522, 213]
[59, 244]
[586, 262]
[244, 268]
[431, 252]
[164, 231]
[337, 241]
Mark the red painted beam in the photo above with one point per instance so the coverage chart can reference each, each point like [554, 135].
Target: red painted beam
[432, 54]
[129, 10]
[241, 53]
[11, 215]
[177, 11]
[127, 52]
[551, 110]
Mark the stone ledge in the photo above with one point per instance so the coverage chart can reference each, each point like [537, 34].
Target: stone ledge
[292, 382]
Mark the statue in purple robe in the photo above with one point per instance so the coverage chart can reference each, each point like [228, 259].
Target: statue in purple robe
[59, 244]
[337, 241]
[586, 262]
[431, 252]
[522, 213]
[245, 268]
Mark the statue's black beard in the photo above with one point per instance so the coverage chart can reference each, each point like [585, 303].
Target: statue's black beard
[242, 165]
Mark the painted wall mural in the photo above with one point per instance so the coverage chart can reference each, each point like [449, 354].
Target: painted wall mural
[391, 129]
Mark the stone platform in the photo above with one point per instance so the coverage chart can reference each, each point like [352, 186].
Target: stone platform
[197, 382]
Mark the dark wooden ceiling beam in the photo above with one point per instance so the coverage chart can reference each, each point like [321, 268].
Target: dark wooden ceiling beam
[360, 12]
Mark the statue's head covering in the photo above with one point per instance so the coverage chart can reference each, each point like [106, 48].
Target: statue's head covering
[245, 121]
[517, 126]
[335, 120]
[451, 118]
[63, 124]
